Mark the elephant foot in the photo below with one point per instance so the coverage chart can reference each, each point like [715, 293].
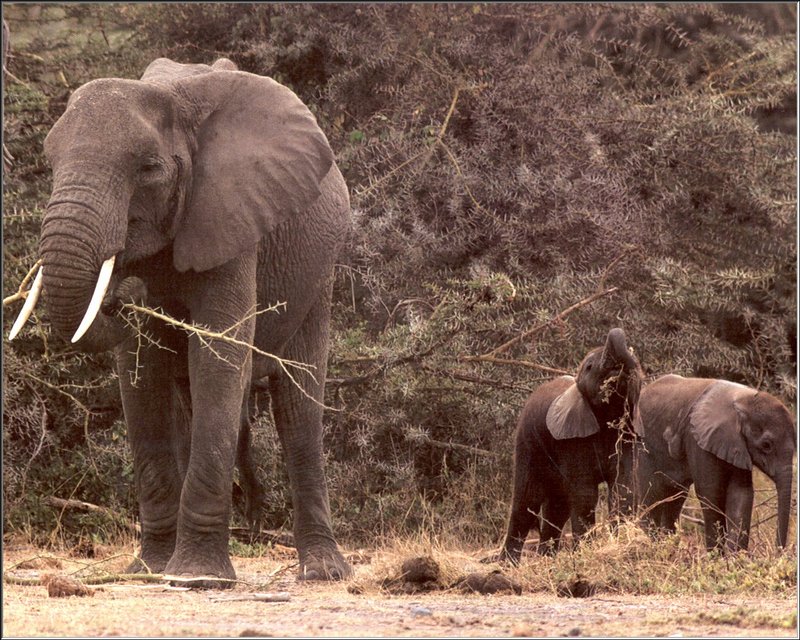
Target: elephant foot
[200, 582]
[151, 560]
[200, 573]
[142, 565]
[504, 557]
[324, 565]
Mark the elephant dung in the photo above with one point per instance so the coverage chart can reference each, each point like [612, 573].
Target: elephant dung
[59, 586]
[417, 574]
[578, 587]
[493, 582]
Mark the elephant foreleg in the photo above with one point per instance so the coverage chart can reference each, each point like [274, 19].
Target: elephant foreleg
[219, 375]
[555, 514]
[582, 513]
[738, 510]
[712, 501]
[298, 418]
[148, 402]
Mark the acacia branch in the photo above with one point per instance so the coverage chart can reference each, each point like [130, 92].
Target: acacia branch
[453, 446]
[428, 151]
[206, 335]
[488, 357]
[22, 292]
[515, 363]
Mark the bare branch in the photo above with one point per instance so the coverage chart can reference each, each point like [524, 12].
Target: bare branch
[205, 336]
[22, 292]
[541, 327]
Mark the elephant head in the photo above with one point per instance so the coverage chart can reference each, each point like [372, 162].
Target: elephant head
[195, 161]
[744, 427]
[606, 389]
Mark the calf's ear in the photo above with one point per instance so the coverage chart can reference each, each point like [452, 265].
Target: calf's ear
[570, 416]
[714, 422]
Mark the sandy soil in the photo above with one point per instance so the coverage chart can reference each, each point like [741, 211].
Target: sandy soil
[329, 610]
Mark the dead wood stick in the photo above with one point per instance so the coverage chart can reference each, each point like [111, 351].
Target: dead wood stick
[280, 596]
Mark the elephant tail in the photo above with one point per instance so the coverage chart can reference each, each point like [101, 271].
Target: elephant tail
[248, 479]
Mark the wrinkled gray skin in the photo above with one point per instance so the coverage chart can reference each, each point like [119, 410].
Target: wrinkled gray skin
[710, 433]
[566, 445]
[217, 192]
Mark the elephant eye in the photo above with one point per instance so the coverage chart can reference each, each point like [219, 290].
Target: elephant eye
[150, 170]
[766, 446]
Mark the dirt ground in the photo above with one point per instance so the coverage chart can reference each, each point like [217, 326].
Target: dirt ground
[329, 610]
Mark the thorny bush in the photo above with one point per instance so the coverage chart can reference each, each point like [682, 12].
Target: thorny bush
[543, 171]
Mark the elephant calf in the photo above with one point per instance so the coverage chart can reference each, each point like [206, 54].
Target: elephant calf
[710, 433]
[566, 445]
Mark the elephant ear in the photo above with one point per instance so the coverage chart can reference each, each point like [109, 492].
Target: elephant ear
[570, 416]
[260, 159]
[714, 422]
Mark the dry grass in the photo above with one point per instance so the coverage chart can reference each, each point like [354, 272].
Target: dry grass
[626, 562]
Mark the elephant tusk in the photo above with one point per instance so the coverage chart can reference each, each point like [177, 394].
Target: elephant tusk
[27, 308]
[97, 298]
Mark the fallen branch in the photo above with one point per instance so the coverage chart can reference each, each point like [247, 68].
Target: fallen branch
[61, 503]
[90, 580]
[466, 377]
[280, 596]
[79, 505]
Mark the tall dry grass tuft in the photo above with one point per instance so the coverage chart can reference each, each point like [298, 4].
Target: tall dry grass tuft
[625, 561]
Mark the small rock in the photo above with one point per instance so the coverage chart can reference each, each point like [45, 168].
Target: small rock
[574, 632]
[255, 633]
[421, 611]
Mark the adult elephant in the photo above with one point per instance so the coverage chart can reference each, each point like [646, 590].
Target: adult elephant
[567, 442]
[212, 194]
[710, 433]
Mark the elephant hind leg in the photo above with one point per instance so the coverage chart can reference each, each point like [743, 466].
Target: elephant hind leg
[251, 487]
[297, 409]
[526, 503]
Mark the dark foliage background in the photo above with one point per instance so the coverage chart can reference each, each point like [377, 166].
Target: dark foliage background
[523, 178]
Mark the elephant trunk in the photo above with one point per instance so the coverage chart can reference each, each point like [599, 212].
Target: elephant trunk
[616, 353]
[783, 484]
[82, 228]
